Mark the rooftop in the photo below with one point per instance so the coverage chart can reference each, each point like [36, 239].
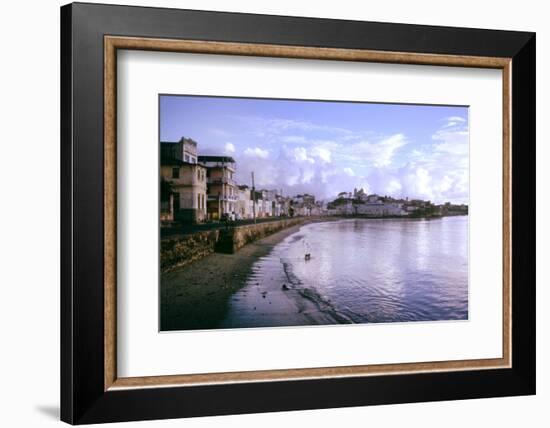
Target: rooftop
[167, 159]
[225, 159]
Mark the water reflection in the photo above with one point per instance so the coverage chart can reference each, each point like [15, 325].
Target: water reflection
[375, 270]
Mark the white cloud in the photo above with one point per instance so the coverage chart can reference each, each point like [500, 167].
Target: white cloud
[379, 153]
[394, 187]
[349, 171]
[291, 139]
[454, 121]
[256, 152]
[440, 174]
[265, 127]
[453, 137]
[299, 156]
[449, 146]
[322, 153]
[229, 148]
[437, 171]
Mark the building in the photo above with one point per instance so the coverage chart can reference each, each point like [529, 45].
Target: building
[257, 203]
[366, 205]
[263, 206]
[305, 199]
[342, 205]
[272, 203]
[283, 205]
[183, 183]
[222, 189]
[302, 205]
[360, 195]
[380, 209]
[184, 150]
[245, 209]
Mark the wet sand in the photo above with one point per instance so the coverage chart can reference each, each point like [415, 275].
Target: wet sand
[268, 304]
[197, 296]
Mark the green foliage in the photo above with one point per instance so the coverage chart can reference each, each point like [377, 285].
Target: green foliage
[426, 211]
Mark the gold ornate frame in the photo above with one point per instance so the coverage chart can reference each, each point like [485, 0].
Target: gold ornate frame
[113, 43]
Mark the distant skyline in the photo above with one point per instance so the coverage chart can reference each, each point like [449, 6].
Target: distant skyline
[326, 147]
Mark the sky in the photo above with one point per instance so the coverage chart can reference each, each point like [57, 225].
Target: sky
[326, 147]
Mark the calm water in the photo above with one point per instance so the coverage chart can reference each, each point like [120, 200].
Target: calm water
[372, 270]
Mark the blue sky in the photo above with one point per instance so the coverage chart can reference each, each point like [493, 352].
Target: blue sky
[324, 148]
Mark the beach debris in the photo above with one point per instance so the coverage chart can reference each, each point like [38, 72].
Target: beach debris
[264, 293]
[284, 287]
[307, 255]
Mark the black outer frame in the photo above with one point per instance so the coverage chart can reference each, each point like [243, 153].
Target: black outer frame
[83, 399]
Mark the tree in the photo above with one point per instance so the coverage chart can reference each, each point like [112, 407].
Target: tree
[166, 189]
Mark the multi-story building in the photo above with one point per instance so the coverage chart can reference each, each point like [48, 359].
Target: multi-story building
[183, 183]
[261, 204]
[185, 150]
[283, 205]
[257, 203]
[269, 202]
[302, 205]
[222, 189]
[245, 203]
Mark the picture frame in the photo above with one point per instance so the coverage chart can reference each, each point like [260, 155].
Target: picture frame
[91, 391]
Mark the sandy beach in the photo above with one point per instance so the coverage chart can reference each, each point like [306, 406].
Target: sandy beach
[198, 296]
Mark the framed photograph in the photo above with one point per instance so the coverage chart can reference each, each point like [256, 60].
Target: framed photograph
[266, 213]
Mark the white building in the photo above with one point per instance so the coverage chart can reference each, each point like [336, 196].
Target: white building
[245, 204]
[380, 209]
[187, 180]
[222, 188]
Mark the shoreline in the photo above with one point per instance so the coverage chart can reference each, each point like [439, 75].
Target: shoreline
[197, 295]
[281, 300]
[215, 292]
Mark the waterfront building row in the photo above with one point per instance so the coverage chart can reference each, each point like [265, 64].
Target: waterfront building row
[197, 188]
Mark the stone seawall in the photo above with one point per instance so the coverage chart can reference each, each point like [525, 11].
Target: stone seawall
[182, 250]
[233, 239]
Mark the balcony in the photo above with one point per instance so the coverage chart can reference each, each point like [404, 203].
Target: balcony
[224, 165]
[218, 162]
[222, 180]
[229, 198]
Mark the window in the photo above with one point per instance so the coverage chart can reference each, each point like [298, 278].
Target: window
[198, 174]
[175, 173]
